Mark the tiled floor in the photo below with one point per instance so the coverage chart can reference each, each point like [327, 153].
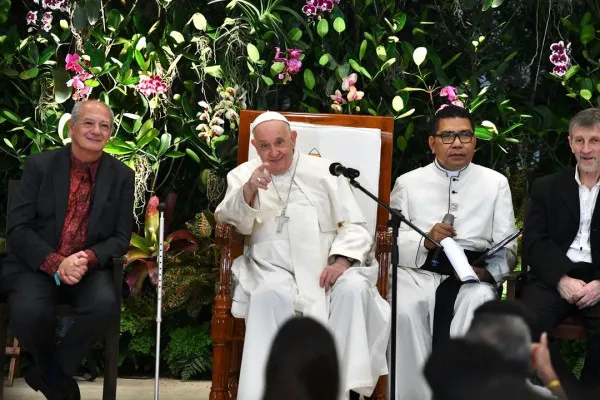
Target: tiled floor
[127, 389]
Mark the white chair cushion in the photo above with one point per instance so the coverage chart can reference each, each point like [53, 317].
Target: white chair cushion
[353, 147]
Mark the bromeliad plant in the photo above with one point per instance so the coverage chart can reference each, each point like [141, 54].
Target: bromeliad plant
[142, 258]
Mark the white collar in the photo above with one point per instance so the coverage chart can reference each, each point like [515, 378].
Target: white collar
[579, 180]
[447, 173]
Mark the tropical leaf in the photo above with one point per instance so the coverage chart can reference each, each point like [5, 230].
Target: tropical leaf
[140, 243]
[181, 240]
[135, 255]
[135, 278]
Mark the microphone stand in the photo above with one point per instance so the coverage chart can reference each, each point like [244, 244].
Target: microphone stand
[161, 239]
[395, 221]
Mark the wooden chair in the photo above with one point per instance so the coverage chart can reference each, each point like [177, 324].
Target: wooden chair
[109, 390]
[228, 332]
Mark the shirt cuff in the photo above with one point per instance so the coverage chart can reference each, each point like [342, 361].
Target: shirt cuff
[51, 263]
[422, 253]
[92, 258]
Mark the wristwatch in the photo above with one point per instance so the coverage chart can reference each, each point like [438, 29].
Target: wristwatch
[350, 260]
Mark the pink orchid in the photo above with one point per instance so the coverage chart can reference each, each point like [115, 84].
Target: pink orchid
[75, 82]
[442, 107]
[294, 53]
[458, 103]
[560, 70]
[291, 66]
[62, 5]
[349, 81]
[81, 90]
[337, 97]
[278, 57]
[78, 81]
[47, 27]
[85, 91]
[312, 6]
[47, 17]
[309, 10]
[72, 63]
[448, 91]
[326, 5]
[558, 47]
[31, 17]
[294, 66]
[354, 94]
[150, 85]
[559, 59]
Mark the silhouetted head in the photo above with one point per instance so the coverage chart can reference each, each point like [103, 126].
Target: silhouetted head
[463, 370]
[303, 363]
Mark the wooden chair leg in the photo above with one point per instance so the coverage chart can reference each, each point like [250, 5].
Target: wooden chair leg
[237, 348]
[380, 392]
[13, 370]
[221, 329]
[111, 363]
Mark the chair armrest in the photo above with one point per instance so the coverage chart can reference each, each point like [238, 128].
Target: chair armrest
[383, 248]
[232, 246]
[511, 284]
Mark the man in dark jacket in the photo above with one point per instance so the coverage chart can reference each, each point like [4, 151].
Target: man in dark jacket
[561, 245]
[71, 214]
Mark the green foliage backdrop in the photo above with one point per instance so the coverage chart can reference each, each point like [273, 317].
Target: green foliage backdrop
[177, 73]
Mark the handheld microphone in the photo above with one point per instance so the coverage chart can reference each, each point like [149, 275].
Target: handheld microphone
[338, 169]
[448, 219]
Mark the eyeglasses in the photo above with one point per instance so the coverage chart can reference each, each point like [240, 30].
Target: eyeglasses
[448, 137]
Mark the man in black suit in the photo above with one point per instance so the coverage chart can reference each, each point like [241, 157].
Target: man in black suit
[72, 213]
[561, 244]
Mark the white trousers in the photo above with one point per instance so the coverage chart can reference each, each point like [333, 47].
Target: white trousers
[359, 321]
[414, 325]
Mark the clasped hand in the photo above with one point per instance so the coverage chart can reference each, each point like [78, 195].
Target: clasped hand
[73, 268]
[577, 292]
[332, 272]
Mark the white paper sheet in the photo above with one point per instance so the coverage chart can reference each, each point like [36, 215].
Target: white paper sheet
[458, 259]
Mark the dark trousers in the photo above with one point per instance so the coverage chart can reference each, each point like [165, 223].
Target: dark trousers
[550, 309]
[32, 299]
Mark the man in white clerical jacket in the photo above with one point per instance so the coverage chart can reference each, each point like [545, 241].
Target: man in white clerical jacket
[308, 252]
[480, 201]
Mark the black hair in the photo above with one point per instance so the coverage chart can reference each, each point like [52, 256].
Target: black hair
[463, 370]
[510, 307]
[303, 363]
[448, 112]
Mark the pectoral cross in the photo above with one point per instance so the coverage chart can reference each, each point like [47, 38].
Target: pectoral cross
[281, 220]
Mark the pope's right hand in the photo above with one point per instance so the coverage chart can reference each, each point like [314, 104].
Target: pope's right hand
[259, 179]
[439, 232]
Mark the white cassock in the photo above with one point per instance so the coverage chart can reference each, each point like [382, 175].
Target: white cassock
[278, 276]
[480, 200]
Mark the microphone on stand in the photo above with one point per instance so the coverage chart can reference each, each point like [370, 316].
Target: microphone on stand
[448, 219]
[338, 169]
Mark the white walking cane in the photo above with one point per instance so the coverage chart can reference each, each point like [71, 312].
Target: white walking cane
[161, 238]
